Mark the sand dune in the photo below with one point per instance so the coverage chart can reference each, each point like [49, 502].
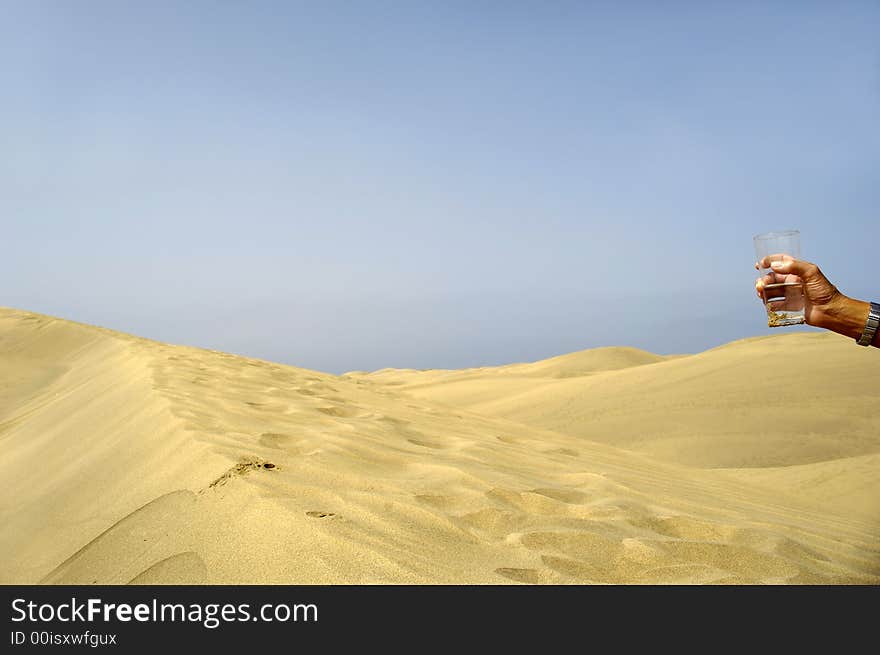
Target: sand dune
[131, 461]
[575, 364]
[761, 402]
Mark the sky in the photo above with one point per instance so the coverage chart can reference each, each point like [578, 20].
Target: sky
[357, 185]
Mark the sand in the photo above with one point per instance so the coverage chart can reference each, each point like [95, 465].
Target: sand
[126, 460]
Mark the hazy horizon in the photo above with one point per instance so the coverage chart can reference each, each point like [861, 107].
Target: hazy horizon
[348, 187]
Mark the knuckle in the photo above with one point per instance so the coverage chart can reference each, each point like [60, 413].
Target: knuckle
[812, 270]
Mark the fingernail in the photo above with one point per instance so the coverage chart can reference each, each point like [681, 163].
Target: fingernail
[776, 264]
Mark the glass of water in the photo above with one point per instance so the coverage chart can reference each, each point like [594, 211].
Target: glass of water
[783, 294]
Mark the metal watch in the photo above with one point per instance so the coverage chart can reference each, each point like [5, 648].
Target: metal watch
[870, 326]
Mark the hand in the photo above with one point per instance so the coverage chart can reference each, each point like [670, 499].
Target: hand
[821, 301]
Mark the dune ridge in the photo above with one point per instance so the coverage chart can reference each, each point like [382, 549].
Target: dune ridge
[133, 461]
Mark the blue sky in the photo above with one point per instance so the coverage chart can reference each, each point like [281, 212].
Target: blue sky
[353, 185]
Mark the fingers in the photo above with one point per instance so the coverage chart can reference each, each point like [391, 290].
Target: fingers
[784, 293]
[790, 267]
[762, 282]
[771, 278]
[779, 291]
[765, 263]
[812, 287]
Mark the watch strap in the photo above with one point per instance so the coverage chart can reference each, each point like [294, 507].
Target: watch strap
[871, 325]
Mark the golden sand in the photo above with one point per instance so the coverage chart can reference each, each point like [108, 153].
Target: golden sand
[131, 461]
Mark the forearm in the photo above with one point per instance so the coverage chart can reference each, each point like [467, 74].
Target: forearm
[848, 317]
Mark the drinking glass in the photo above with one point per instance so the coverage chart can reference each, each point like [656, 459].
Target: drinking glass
[783, 294]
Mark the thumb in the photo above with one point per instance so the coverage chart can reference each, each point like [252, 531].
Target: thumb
[802, 269]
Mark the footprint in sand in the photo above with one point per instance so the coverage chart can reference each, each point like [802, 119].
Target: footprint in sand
[342, 412]
[542, 502]
[267, 407]
[435, 500]
[413, 436]
[495, 523]
[279, 441]
[320, 515]
[425, 443]
[243, 467]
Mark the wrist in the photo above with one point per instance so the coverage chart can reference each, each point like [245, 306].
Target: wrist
[846, 316]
